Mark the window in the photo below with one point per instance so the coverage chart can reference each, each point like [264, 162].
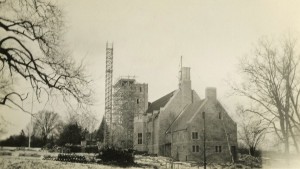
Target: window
[137, 101]
[218, 149]
[140, 138]
[140, 89]
[195, 149]
[194, 135]
[220, 115]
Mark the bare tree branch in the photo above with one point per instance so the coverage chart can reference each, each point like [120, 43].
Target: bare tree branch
[31, 49]
[273, 85]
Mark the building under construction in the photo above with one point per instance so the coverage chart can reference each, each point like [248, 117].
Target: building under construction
[130, 102]
[180, 124]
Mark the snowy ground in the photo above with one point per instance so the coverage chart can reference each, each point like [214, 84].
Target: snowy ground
[14, 160]
[36, 163]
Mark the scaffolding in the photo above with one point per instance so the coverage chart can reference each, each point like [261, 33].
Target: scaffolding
[108, 93]
[124, 100]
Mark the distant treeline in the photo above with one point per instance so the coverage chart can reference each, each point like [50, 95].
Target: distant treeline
[21, 141]
[72, 134]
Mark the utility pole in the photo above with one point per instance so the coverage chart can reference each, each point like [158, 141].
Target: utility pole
[30, 127]
[204, 140]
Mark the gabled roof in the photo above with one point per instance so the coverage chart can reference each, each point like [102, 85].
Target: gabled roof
[181, 121]
[161, 102]
[190, 112]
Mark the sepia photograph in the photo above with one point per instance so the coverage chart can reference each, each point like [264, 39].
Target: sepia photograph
[157, 84]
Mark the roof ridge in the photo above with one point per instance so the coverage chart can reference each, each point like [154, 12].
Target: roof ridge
[161, 102]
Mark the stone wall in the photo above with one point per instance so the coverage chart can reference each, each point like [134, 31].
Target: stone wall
[221, 130]
[139, 119]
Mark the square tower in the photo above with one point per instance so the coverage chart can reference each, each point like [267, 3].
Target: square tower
[130, 101]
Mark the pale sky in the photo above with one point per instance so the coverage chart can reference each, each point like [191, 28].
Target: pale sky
[150, 36]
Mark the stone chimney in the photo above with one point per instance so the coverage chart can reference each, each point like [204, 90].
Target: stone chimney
[185, 85]
[211, 93]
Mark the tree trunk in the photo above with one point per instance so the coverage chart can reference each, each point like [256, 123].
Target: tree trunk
[286, 143]
[294, 138]
[252, 151]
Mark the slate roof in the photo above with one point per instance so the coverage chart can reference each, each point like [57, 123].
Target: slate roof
[161, 102]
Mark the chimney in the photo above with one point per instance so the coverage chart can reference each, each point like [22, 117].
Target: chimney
[185, 73]
[211, 93]
[185, 85]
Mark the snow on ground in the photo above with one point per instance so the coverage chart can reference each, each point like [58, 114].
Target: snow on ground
[33, 160]
[35, 163]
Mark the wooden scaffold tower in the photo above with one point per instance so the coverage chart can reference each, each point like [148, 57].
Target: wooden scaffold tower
[108, 93]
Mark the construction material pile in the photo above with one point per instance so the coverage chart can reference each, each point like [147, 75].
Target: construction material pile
[71, 158]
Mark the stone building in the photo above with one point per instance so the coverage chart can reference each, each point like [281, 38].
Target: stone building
[130, 101]
[173, 125]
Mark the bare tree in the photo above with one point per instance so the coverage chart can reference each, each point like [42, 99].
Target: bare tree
[31, 48]
[3, 125]
[86, 121]
[272, 84]
[252, 131]
[46, 124]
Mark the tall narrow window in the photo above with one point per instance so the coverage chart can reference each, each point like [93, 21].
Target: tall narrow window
[140, 138]
[140, 89]
[194, 135]
[137, 101]
[220, 115]
[195, 149]
[218, 149]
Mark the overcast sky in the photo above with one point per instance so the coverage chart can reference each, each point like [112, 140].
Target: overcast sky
[150, 36]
